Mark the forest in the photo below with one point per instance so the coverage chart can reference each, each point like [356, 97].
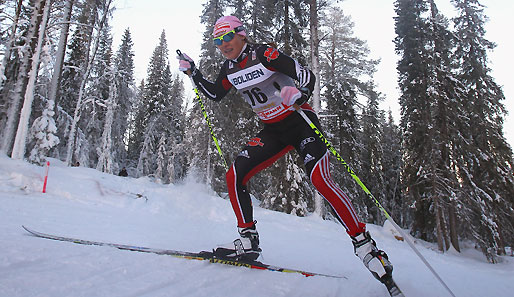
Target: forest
[444, 170]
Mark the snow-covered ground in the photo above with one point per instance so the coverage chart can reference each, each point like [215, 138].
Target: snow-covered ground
[87, 204]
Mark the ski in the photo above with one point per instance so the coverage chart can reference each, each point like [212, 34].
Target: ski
[202, 256]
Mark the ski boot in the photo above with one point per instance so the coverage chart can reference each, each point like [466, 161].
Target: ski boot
[374, 259]
[245, 248]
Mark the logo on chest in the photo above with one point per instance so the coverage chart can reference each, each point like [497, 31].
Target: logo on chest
[250, 76]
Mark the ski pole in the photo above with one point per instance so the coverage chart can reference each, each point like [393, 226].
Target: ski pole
[179, 53]
[370, 195]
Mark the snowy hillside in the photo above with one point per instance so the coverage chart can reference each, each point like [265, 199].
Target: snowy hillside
[87, 204]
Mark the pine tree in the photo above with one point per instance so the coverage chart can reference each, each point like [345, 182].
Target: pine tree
[101, 106]
[391, 171]
[44, 131]
[372, 156]
[124, 64]
[162, 116]
[105, 150]
[103, 9]
[137, 124]
[412, 44]
[445, 91]
[486, 164]
[344, 66]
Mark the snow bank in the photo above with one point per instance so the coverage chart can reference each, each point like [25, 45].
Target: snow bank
[88, 204]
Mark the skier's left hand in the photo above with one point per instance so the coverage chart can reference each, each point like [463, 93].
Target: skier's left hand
[291, 95]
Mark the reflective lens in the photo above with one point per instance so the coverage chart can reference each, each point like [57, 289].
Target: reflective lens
[225, 37]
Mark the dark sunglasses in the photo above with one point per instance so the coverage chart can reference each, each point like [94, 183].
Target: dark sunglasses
[227, 37]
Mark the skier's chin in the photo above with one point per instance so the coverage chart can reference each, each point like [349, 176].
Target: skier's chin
[229, 53]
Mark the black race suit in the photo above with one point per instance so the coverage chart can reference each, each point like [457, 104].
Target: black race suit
[256, 74]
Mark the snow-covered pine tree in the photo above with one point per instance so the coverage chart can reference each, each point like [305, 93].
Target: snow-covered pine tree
[162, 159]
[198, 141]
[162, 114]
[445, 91]
[391, 171]
[100, 11]
[125, 84]
[177, 151]
[136, 124]
[74, 66]
[44, 132]
[413, 45]
[345, 67]
[101, 105]
[486, 164]
[105, 152]
[372, 156]
[291, 194]
[431, 99]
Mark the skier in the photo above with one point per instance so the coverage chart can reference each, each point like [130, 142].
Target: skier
[266, 79]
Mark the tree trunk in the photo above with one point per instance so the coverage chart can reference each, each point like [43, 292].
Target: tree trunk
[18, 151]
[78, 107]
[454, 237]
[318, 200]
[10, 43]
[105, 154]
[61, 50]
[21, 81]
[287, 41]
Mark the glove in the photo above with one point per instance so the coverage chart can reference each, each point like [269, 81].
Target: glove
[186, 64]
[291, 95]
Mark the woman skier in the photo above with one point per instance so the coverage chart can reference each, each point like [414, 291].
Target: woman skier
[266, 77]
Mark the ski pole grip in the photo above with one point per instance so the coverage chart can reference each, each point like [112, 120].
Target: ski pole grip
[181, 56]
[277, 86]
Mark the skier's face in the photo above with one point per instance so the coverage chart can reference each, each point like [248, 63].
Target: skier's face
[232, 48]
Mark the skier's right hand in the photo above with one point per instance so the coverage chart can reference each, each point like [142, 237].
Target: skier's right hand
[186, 64]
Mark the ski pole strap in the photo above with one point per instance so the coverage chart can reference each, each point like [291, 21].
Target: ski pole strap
[370, 195]
[204, 112]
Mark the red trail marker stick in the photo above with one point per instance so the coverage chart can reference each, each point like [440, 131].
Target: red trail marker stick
[46, 176]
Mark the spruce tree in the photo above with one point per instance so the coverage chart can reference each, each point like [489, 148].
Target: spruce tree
[156, 101]
[391, 171]
[346, 75]
[124, 65]
[99, 92]
[372, 156]
[486, 164]
[162, 120]
[136, 124]
[412, 45]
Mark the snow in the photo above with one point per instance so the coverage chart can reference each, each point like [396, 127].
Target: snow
[85, 203]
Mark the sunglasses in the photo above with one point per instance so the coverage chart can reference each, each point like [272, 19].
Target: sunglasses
[227, 37]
